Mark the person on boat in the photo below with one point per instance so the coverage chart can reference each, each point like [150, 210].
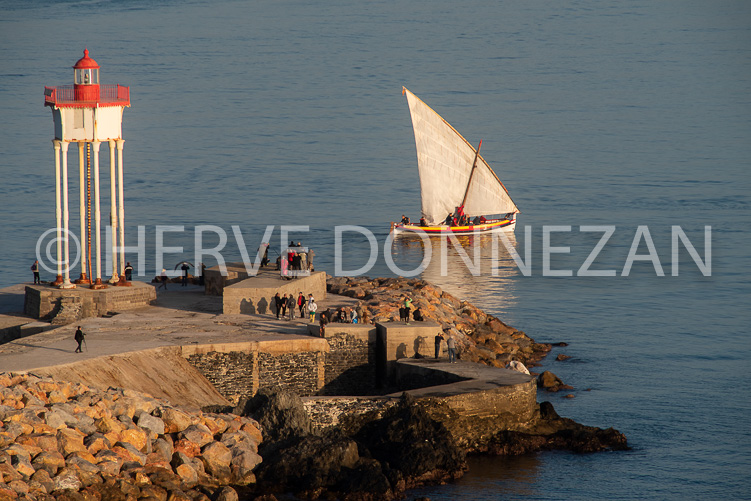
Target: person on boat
[449, 220]
[423, 222]
[476, 220]
[482, 220]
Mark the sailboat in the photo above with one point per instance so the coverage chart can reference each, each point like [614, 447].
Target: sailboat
[461, 195]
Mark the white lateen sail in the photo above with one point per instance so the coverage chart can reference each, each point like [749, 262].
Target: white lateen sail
[445, 160]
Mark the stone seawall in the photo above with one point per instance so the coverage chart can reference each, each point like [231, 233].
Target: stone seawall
[351, 360]
[239, 369]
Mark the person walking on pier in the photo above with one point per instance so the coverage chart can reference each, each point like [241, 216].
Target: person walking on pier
[35, 269]
[79, 337]
[301, 303]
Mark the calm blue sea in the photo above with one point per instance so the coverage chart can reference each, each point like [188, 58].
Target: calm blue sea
[593, 113]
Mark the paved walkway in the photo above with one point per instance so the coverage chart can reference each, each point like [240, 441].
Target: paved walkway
[180, 316]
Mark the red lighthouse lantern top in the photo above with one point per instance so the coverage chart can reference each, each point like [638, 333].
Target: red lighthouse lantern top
[86, 90]
[86, 78]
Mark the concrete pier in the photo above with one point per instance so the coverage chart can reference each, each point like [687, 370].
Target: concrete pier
[184, 348]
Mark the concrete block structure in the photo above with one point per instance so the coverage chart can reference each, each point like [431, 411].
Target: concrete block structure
[255, 295]
[69, 305]
[397, 340]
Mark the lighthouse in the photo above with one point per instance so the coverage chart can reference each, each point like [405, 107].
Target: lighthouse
[89, 113]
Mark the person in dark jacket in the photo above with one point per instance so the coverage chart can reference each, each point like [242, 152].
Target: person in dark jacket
[291, 303]
[79, 337]
[35, 270]
[279, 304]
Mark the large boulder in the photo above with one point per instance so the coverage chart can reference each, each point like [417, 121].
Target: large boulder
[280, 414]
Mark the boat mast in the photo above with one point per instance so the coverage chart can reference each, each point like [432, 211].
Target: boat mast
[472, 173]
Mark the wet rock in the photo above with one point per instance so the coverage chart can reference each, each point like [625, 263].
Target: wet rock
[550, 382]
[561, 357]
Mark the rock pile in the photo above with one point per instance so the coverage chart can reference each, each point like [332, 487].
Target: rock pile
[373, 456]
[480, 337]
[61, 440]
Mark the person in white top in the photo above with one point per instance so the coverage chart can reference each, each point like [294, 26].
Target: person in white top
[312, 307]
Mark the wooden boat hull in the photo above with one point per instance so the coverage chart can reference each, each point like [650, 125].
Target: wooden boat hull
[490, 226]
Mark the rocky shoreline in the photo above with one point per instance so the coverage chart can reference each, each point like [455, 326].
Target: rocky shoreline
[61, 440]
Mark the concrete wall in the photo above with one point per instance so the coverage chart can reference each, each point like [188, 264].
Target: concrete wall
[474, 390]
[44, 302]
[12, 327]
[256, 295]
[396, 341]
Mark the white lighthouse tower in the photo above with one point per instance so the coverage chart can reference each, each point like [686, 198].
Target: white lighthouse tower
[88, 113]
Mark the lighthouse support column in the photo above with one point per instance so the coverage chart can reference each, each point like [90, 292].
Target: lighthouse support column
[58, 215]
[121, 210]
[97, 218]
[113, 213]
[66, 220]
[83, 278]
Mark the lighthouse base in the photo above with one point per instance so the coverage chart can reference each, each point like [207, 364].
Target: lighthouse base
[46, 303]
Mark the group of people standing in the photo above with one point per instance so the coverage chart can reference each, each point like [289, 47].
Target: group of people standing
[344, 315]
[293, 259]
[450, 345]
[405, 311]
[287, 304]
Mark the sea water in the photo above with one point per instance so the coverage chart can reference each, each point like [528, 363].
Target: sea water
[608, 114]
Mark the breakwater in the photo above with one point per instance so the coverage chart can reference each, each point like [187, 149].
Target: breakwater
[472, 406]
